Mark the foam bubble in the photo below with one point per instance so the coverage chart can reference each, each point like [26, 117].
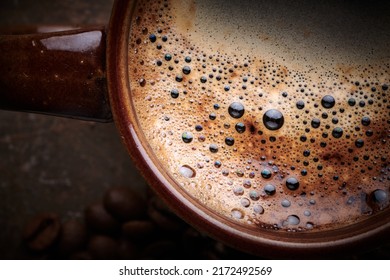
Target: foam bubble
[187, 171]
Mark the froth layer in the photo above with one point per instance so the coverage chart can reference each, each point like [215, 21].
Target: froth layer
[270, 131]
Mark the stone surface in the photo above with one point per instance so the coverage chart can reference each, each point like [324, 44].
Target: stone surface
[50, 163]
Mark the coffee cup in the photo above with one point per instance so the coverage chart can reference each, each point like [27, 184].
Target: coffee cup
[262, 124]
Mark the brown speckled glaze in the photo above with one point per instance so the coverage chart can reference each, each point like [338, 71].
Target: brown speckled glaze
[59, 73]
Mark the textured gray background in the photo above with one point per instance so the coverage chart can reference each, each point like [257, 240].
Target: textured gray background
[50, 163]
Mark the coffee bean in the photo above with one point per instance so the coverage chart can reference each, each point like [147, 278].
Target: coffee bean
[193, 238]
[192, 243]
[138, 229]
[81, 255]
[42, 231]
[98, 219]
[73, 236]
[208, 254]
[124, 203]
[162, 216]
[102, 247]
[127, 250]
[161, 250]
[158, 204]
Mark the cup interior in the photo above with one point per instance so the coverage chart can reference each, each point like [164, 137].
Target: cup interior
[262, 123]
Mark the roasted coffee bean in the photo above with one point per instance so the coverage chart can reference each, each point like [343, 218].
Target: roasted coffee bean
[81, 255]
[162, 216]
[73, 236]
[42, 231]
[138, 229]
[127, 250]
[102, 247]
[124, 203]
[98, 219]
[208, 254]
[193, 238]
[162, 250]
[192, 243]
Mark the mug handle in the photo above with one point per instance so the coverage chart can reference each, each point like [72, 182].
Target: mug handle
[60, 73]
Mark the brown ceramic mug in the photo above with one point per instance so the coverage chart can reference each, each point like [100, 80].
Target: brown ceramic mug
[262, 124]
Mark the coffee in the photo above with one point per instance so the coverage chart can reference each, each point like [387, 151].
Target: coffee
[42, 231]
[272, 114]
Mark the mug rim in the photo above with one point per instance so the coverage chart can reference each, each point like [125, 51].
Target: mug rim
[262, 242]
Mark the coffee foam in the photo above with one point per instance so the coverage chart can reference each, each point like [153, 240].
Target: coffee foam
[294, 33]
[192, 65]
